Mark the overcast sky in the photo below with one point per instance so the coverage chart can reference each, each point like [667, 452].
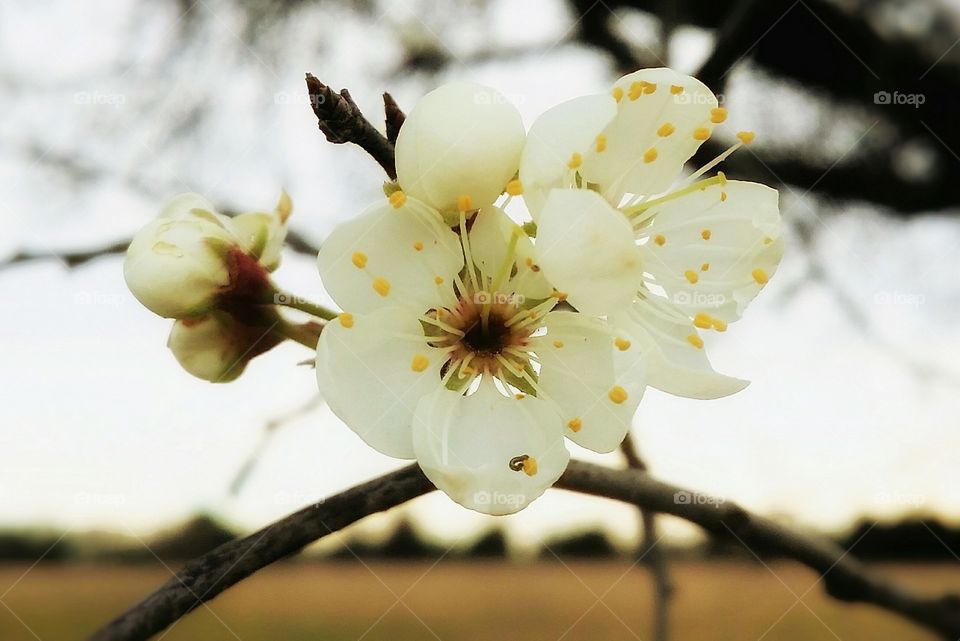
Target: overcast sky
[104, 114]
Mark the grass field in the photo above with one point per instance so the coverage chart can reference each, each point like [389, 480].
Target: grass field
[457, 601]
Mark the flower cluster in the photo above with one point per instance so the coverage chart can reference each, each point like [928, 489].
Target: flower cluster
[477, 342]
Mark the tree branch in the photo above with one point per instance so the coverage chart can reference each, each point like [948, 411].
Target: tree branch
[341, 120]
[652, 553]
[207, 576]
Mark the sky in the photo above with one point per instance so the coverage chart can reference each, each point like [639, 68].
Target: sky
[854, 396]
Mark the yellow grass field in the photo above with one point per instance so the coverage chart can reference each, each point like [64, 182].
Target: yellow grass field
[458, 601]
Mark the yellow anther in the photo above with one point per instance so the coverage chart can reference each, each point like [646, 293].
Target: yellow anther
[622, 344]
[532, 313]
[635, 90]
[381, 285]
[438, 280]
[746, 137]
[575, 424]
[560, 296]
[719, 325]
[346, 319]
[601, 142]
[617, 94]
[529, 466]
[691, 276]
[468, 370]
[650, 155]
[514, 188]
[723, 178]
[660, 239]
[703, 320]
[617, 394]
[767, 240]
[464, 203]
[704, 267]
[419, 363]
[418, 246]
[705, 234]
[575, 160]
[760, 276]
[397, 199]
[666, 129]
[519, 397]
[558, 344]
[649, 87]
[359, 260]
[676, 90]
[701, 133]
[723, 196]
[718, 115]
[695, 340]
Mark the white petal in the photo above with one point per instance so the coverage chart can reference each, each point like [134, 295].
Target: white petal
[261, 235]
[621, 167]
[464, 444]
[677, 361]
[183, 204]
[570, 127]
[586, 249]
[216, 347]
[172, 267]
[461, 139]
[390, 256]
[594, 377]
[738, 240]
[373, 370]
[490, 237]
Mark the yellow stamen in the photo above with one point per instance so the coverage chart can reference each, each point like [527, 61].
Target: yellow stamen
[703, 320]
[666, 129]
[622, 344]
[648, 87]
[346, 319]
[635, 90]
[359, 260]
[575, 160]
[419, 363]
[723, 196]
[438, 280]
[701, 133]
[617, 94]
[691, 276]
[722, 177]
[704, 267]
[519, 397]
[530, 466]
[760, 276]
[601, 142]
[514, 188]
[558, 344]
[575, 424]
[719, 325]
[381, 285]
[695, 340]
[650, 155]
[676, 90]
[746, 137]
[660, 239]
[705, 234]
[718, 115]
[418, 246]
[464, 203]
[617, 394]
[397, 199]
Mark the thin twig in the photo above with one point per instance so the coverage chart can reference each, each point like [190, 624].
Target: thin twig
[341, 121]
[394, 117]
[202, 579]
[652, 553]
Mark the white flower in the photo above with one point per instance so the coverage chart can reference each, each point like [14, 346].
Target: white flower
[191, 258]
[661, 263]
[422, 323]
[217, 347]
[458, 148]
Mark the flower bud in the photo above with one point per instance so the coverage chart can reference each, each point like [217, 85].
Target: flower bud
[192, 259]
[217, 347]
